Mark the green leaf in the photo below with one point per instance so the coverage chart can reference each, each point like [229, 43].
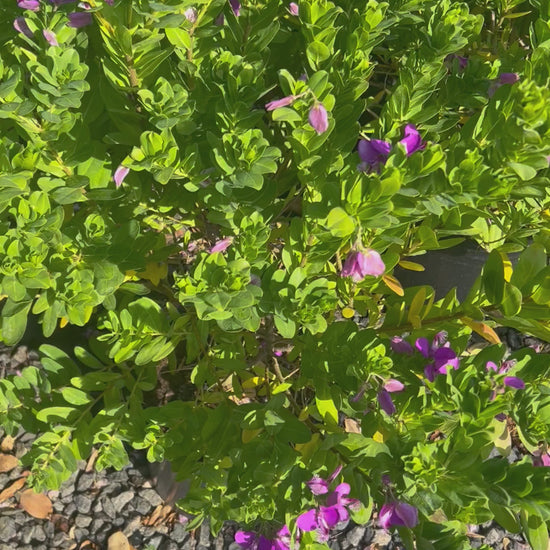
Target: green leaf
[285, 326]
[325, 405]
[512, 300]
[535, 530]
[13, 328]
[493, 278]
[60, 413]
[284, 114]
[316, 53]
[531, 261]
[505, 517]
[525, 172]
[74, 396]
[339, 223]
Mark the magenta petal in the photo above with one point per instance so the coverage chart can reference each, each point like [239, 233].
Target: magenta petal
[294, 9]
[430, 372]
[423, 346]
[283, 102]
[20, 25]
[329, 516]
[191, 15]
[32, 5]
[412, 140]
[221, 245]
[385, 516]
[385, 402]
[318, 118]
[393, 385]
[307, 521]
[335, 474]
[514, 382]
[245, 538]
[317, 485]
[372, 263]
[120, 173]
[264, 544]
[408, 513]
[50, 37]
[491, 366]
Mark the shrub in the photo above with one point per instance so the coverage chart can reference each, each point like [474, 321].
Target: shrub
[218, 194]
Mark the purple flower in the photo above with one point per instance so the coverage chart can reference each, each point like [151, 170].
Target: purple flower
[79, 19]
[441, 353]
[120, 173]
[283, 102]
[220, 20]
[373, 154]
[317, 485]
[33, 5]
[462, 61]
[283, 539]
[393, 385]
[221, 245]
[321, 520]
[294, 9]
[318, 118]
[358, 265]
[110, 2]
[191, 15]
[20, 25]
[508, 78]
[398, 345]
[412, 140]
[541, 458]
[252, 541]
[236, 7]
[385, 402]
[50, 37]
[398, 514]
[514, 382]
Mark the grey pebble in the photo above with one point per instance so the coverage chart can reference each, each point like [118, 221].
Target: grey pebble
[81, 534]
[21, 518]
[83, 503]
[82, 521]
[49, 529]
[119, 521]
[118, 477]
[108, 507]
[381, 537]
[151, 496]
[97, 525]
[85, 481]
[7, 528]
[58, 506]
[168, 545]
[111, 488]
[493, 536]
[120, 501]
[179, 534]
[354, 536]
[204, 537]
[38, 533]
[142, 506]
[155, 541]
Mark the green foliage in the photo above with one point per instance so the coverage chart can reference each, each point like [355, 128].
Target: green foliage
[255, 366]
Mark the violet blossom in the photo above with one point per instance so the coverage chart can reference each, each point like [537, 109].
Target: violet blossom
[191, 15]
[541, 458]
[278, 103]
[294, 9]
[514, 382]
[319, 486]
[386, 403]
[79, 19]
[120, 173]
[373, 154]
[236, 7]
[221, 245]
[252, 541]
[393, 385]
[399, 345]
[50, 37]
[20, 25]
[503, 78]
[360, 264]
[33, 5]
[318, 118]
[412, 140]
[398, 514]
[441, 353]
[462, 61]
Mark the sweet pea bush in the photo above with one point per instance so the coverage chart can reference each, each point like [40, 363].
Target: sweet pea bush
[218, 193]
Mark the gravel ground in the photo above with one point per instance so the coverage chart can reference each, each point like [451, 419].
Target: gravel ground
[93, 506]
